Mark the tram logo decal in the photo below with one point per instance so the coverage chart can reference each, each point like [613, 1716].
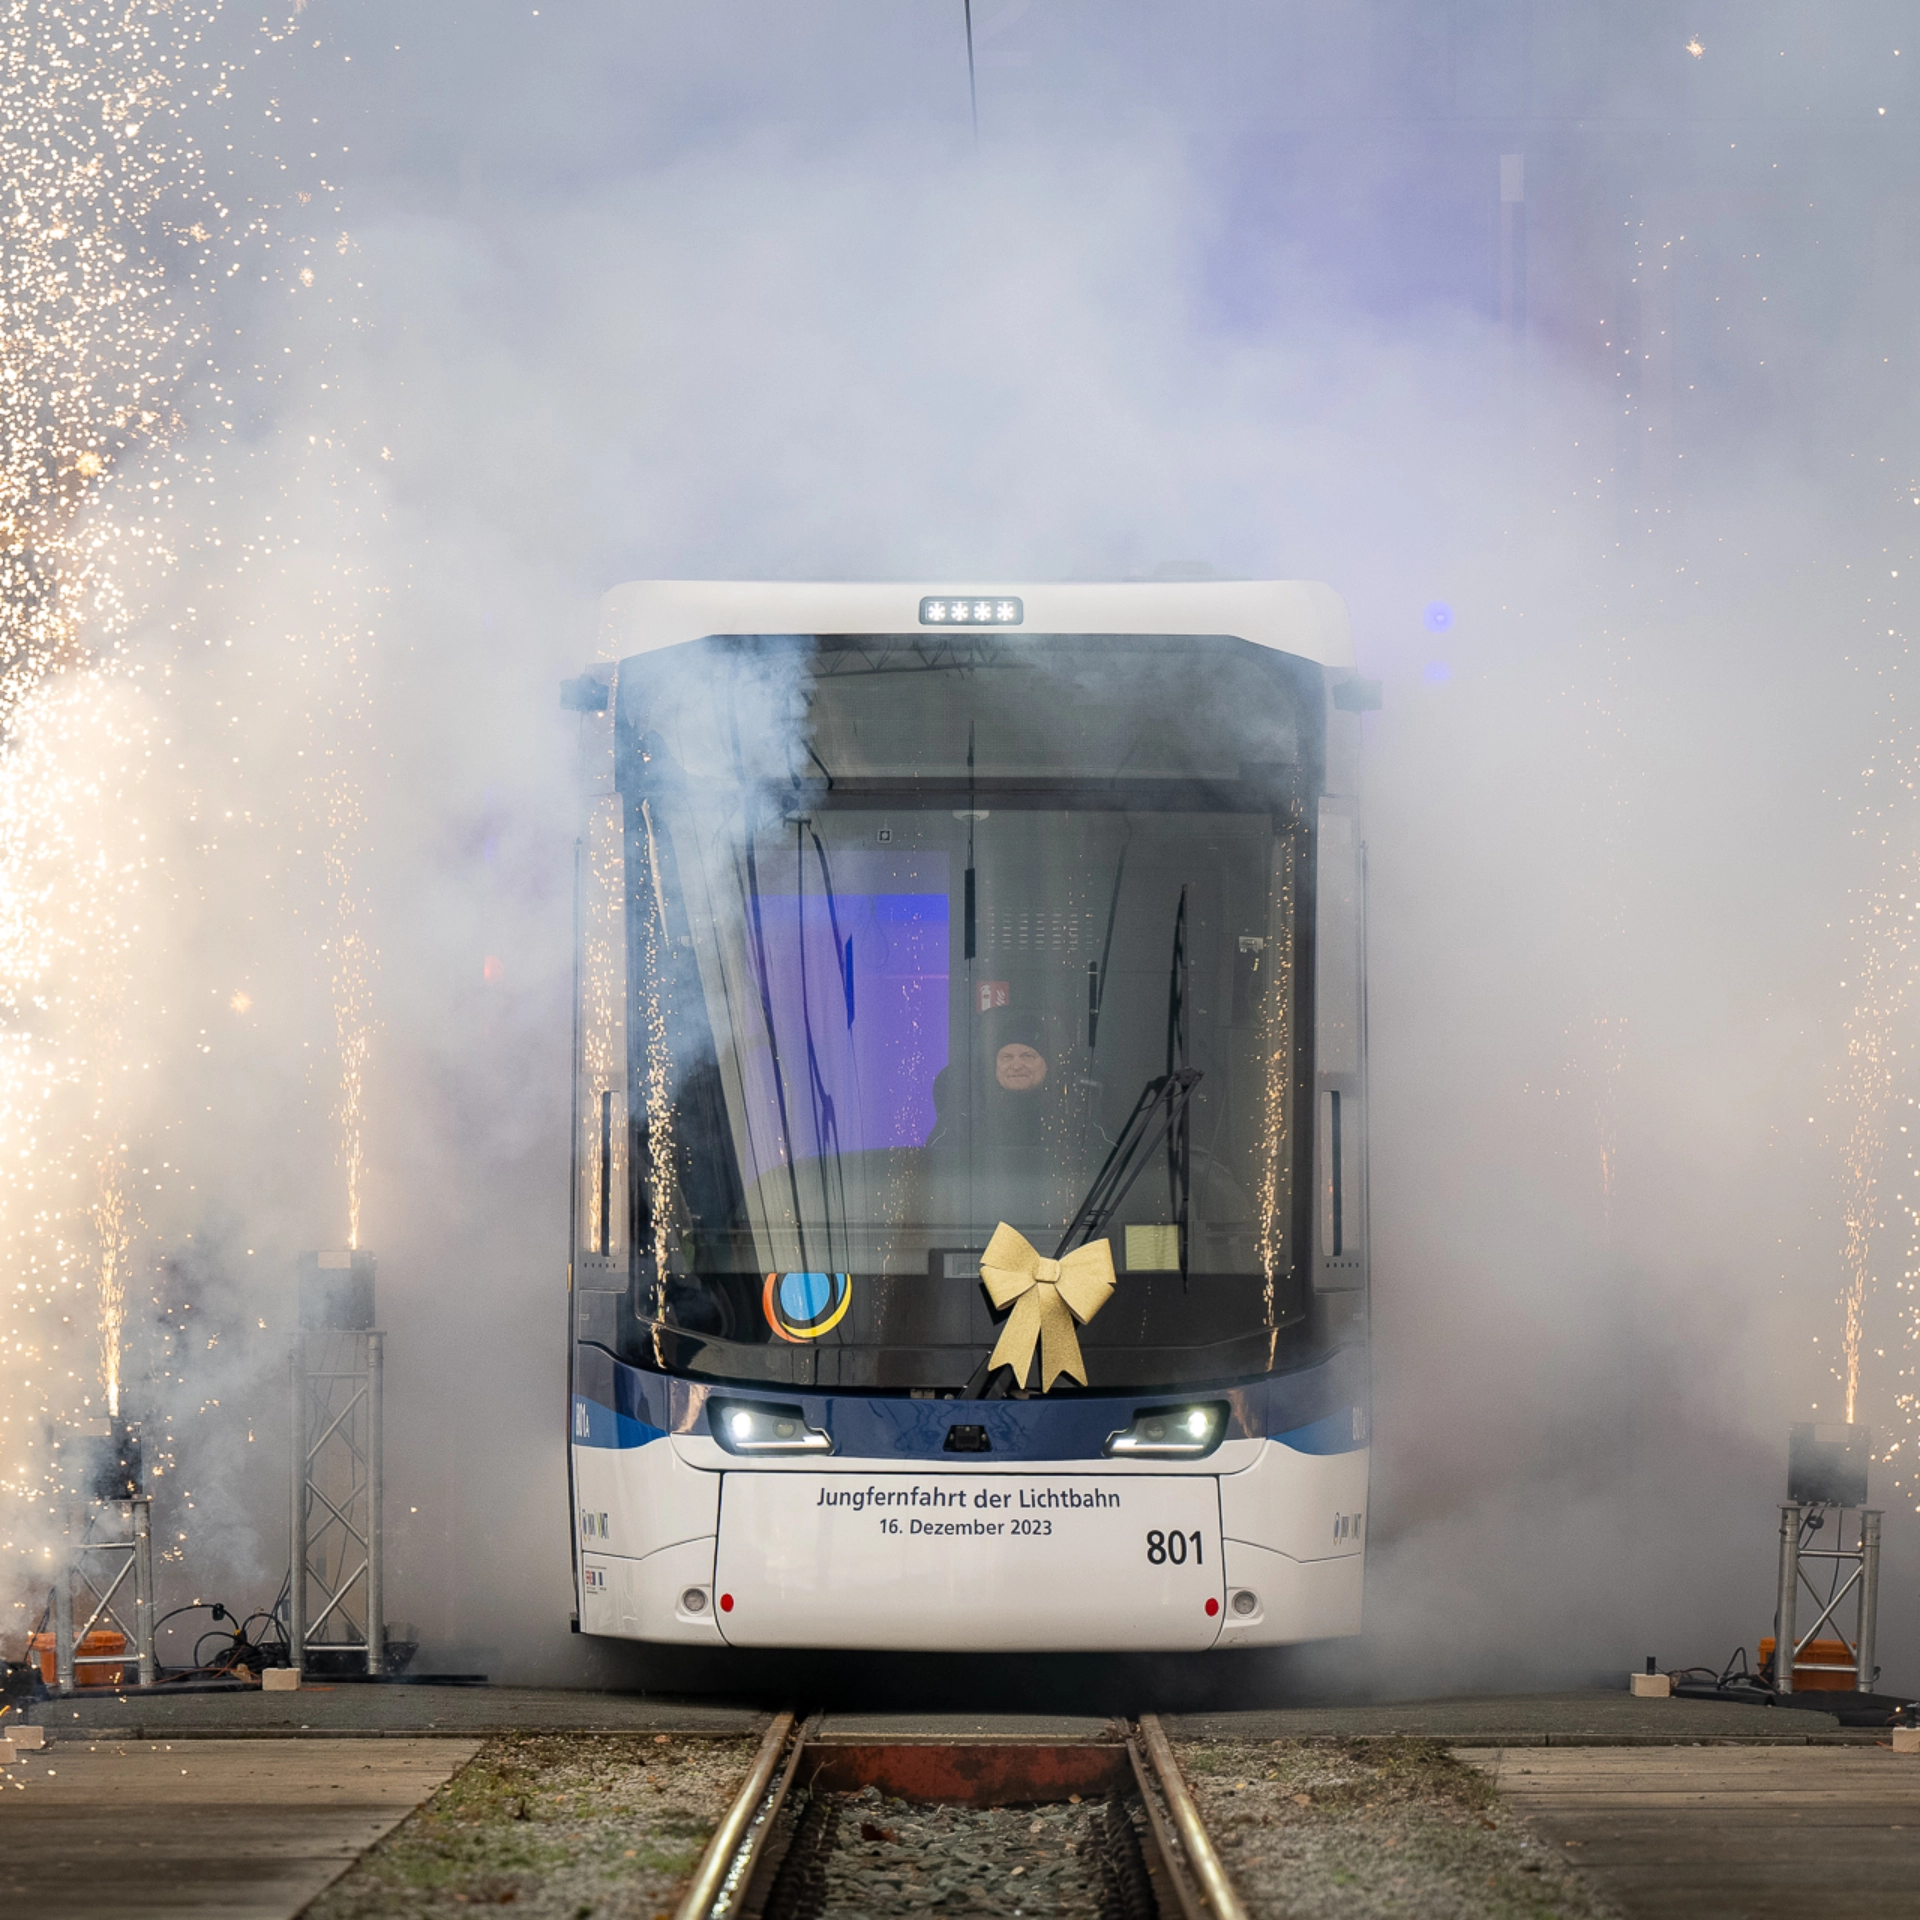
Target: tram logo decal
[803, 1306]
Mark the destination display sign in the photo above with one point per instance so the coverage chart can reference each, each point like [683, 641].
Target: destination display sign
[914, 1560]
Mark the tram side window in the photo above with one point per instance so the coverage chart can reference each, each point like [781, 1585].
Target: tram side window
[1339, 1121]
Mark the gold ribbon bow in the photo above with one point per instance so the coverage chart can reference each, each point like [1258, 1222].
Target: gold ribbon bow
[1047, 1297]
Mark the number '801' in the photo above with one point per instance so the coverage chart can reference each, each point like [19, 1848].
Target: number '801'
[1171, 1548]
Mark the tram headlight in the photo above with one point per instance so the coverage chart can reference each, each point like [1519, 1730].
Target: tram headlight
[754, 1426]
[1171, 1433]
[972, 610]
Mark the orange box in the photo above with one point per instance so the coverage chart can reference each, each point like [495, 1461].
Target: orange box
[1827, 1653]
[99, 1641]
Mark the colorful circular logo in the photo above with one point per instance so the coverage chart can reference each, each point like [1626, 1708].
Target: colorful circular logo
[803, 1306]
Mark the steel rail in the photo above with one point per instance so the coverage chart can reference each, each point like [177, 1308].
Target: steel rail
[710, 1875]
[1220, 1893]
[745, 1886]
[1166, 1856]
[732, 1877]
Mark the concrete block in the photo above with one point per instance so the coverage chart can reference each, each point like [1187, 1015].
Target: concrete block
[25, 1737]
[280, 1679]
[1906, 1739]
[1651, 1686]
[8, 1752]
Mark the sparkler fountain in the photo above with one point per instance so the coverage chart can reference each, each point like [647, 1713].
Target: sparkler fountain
[93, 326]
[335, 1610]
[1880, 978]
[106, 289]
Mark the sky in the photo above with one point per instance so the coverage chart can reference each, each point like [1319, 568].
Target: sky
[1612, 472]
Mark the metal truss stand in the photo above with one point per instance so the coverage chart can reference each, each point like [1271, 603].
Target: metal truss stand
[1864, 1559]
[336, 1587]
[100, 1566]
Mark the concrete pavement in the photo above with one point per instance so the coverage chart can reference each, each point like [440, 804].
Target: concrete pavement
[228, 1829]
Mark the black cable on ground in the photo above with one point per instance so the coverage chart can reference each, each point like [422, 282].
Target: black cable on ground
[241, 1656]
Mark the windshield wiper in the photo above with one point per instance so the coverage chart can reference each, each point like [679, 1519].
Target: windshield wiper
[1162, 1101]
[1097, 970]
[1180, 1147]
[763, 979]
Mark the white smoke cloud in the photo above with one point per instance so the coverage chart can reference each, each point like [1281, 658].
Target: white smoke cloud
[737, 296]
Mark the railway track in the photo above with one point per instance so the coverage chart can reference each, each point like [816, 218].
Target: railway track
[826, 1825]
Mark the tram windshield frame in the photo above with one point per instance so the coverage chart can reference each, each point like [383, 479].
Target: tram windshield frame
[913, 924]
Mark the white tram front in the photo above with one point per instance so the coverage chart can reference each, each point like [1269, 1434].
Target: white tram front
[969, 1199]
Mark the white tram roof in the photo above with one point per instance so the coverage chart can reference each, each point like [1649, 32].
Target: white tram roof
[1299, 617]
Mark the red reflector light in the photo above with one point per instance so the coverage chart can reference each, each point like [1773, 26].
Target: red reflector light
[1213, 1607]
[726, 1603]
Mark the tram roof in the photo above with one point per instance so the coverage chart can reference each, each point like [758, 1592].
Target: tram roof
[1300, 617]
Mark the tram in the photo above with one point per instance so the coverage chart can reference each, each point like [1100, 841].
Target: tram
[969, 1172]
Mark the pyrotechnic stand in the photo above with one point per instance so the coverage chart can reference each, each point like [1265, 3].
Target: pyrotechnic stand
[336, 1587]
[110, 1526]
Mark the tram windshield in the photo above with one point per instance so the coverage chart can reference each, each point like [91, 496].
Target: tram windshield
[933, 933]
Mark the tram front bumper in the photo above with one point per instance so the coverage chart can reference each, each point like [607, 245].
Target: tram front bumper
[1049, 1559]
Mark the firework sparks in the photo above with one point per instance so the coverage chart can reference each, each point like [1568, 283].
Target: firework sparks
[92, 148]
[1879, 980]
[659, 1088]
[89, 147]
[604, 1034]
[1867, 1087]
[1274, 1171]
[106, 289]
[111, 1228]
[352, 981]
[71, 887]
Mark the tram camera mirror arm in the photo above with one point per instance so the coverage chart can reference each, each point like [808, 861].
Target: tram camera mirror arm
[1358, 696]
[584, 694]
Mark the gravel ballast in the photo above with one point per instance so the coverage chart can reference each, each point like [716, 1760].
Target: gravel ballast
[896, 1857]
[1351, 1830]
[608, 1827]
[556, 1826]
